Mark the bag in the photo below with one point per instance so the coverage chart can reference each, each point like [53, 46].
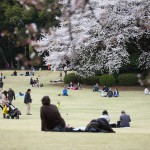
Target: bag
[5, 110]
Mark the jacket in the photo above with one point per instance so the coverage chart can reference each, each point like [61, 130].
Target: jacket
[51, 118]
[11, 95]
[124, 120]
[27, 98]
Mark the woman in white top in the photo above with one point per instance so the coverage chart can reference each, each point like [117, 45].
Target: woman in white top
[146, 91]
[105, 115]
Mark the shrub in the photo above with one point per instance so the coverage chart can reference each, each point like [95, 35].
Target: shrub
[107, 79]
[70, 77]
[128, 79]
[91, 80]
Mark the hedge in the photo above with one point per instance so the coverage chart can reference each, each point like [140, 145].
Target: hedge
[107, 79]
[75, 79]
[91, 80]
[129, 79]
[70, 77]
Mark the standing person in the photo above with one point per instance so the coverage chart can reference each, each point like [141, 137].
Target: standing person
[31, 81]
[124, 120]
[4, 102]
[27, 101]
[50, 116]
[11, 95]
[1, 84]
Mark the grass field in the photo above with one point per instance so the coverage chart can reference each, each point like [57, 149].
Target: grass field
[77, 109]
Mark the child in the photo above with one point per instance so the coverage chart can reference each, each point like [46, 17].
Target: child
[65, 91]
[58, 105]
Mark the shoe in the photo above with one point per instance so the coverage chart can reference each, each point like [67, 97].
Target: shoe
[29, 114]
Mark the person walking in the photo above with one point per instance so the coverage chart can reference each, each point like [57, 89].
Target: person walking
[11, 95]
[28, 101]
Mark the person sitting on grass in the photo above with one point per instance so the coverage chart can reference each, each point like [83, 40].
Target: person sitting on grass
[65, 91]
[116, 93]
[2, 76]
[79, 86]
[71, 85]
[15, 73]
[96, 88]
[146, 91]
[105, 115]
[110, 93]
[51, 119]
[124, 120]
[105, 88]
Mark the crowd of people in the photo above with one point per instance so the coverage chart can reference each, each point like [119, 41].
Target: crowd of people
[106, 91]
[27, 73]
[51, 119]
[35, 82]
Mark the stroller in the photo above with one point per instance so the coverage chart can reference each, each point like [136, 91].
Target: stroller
[9, 111]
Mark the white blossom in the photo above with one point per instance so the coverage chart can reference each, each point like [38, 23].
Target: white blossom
[93, 37]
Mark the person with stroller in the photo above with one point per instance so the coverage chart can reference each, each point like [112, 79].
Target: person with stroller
[3, 102]
[28, 101]
[11, 95]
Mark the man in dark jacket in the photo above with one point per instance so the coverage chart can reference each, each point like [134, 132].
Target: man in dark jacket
[110, 93]
[124, 120]
[99, 125]
[11, 95]
[50, 116]
[27, 101]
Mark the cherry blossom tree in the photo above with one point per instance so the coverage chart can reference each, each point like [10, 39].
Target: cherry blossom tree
[93, 35]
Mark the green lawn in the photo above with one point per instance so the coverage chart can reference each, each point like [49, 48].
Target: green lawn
[77, 109]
